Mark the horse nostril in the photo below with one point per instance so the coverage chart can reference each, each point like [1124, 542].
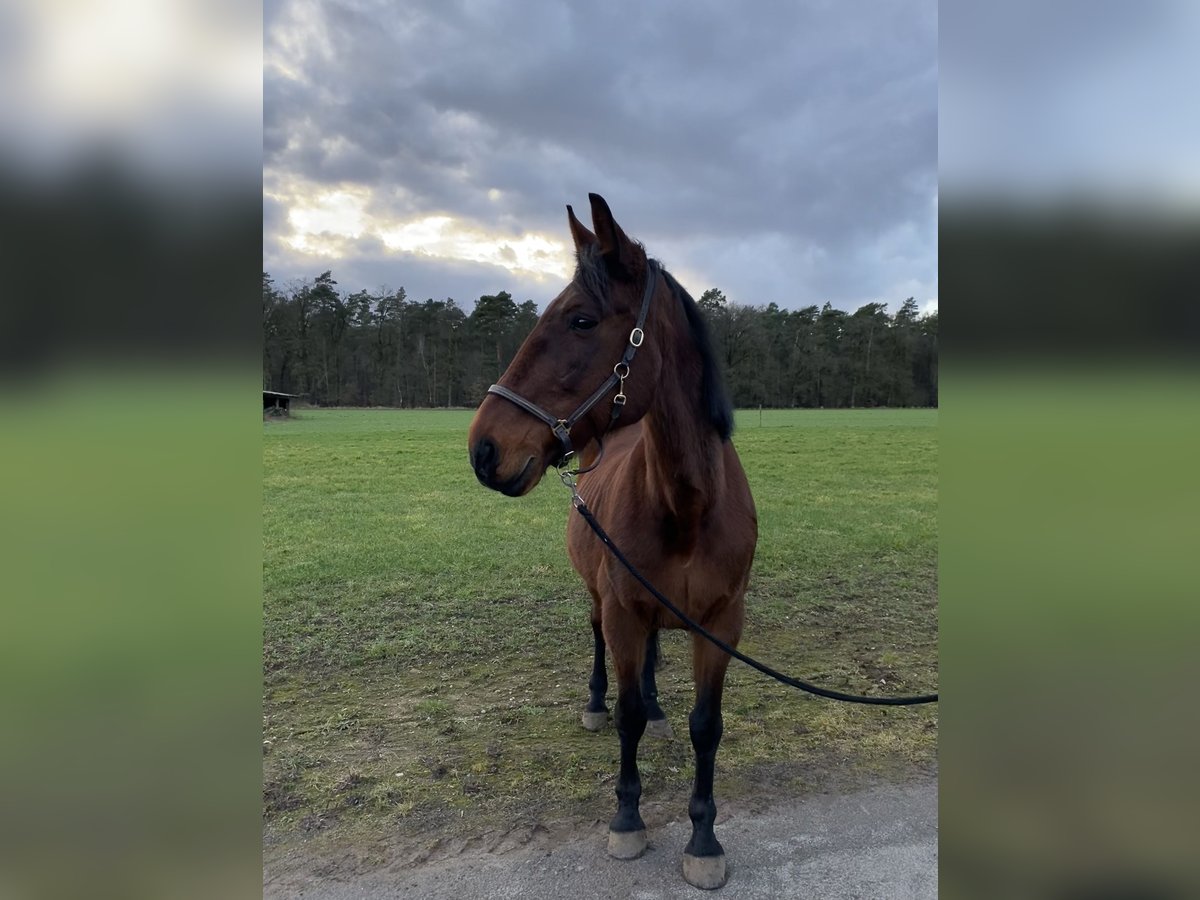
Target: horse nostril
[485, 458]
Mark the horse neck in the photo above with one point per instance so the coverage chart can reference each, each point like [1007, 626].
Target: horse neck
[684, 457]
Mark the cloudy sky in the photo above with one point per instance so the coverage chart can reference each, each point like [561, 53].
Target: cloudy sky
[782, 152]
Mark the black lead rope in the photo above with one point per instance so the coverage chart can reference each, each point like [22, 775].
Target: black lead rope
[578, 503]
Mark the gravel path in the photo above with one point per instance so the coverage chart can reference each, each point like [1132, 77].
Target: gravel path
[875, 843]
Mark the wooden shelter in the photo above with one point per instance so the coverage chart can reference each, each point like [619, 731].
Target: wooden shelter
[276, 403]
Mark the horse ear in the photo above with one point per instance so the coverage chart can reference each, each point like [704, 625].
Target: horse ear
[580, 234]
[616, 247]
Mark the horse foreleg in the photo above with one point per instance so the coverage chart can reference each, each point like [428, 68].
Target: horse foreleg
[704, 857]
[627, 831]
[657, 725]
[595, 714]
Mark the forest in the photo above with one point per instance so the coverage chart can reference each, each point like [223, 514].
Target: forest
[335, 348]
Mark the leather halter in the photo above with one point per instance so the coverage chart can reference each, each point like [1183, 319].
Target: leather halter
[562, 427]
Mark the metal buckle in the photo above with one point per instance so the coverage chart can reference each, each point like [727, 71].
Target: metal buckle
[570, 481]
[619, 400]
[636, 337]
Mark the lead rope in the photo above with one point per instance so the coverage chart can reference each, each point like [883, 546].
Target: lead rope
[568, 479]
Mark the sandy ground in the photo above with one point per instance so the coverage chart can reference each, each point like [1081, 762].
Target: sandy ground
[875, 843]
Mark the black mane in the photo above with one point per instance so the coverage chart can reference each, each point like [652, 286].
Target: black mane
[712, 384]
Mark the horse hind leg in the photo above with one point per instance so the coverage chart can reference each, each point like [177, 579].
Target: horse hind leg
[595, 714]
[657, 725]
[704, 857]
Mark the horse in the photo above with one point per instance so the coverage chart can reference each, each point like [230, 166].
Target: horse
[660, 474]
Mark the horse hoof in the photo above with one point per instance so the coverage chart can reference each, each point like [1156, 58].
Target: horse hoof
[594, 721]
[659, 728]
[704, 872]
[626, 844]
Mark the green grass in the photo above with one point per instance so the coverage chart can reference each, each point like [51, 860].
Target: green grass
[426, 643]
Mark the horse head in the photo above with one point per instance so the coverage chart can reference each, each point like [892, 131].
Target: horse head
[587, 366]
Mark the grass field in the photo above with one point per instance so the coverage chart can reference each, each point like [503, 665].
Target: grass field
[426, 643]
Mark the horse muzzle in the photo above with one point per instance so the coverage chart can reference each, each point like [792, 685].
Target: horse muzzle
[485, 460]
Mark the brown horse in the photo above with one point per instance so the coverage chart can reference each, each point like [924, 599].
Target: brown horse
[667, 486]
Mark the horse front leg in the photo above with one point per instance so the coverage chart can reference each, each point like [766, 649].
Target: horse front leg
[627, 831]
[704, 857]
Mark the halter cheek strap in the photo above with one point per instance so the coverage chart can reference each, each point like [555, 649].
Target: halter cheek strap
[562, 427]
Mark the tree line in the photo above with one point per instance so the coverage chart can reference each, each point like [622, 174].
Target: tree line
[385, 349]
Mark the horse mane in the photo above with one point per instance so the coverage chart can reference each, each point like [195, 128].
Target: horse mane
[591, 273]
[713, 396]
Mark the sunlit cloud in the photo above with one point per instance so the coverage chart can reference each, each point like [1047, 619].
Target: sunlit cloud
[341, 213]
[299, 35]
[448, 238]
[327, 224]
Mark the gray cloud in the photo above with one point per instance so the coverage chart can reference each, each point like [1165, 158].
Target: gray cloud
[788, 156]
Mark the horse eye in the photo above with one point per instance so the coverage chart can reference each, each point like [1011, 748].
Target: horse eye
[581, 323]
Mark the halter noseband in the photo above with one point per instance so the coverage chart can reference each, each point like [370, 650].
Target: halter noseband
[562, 427]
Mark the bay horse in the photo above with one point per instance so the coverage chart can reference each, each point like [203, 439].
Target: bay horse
[666, 485]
